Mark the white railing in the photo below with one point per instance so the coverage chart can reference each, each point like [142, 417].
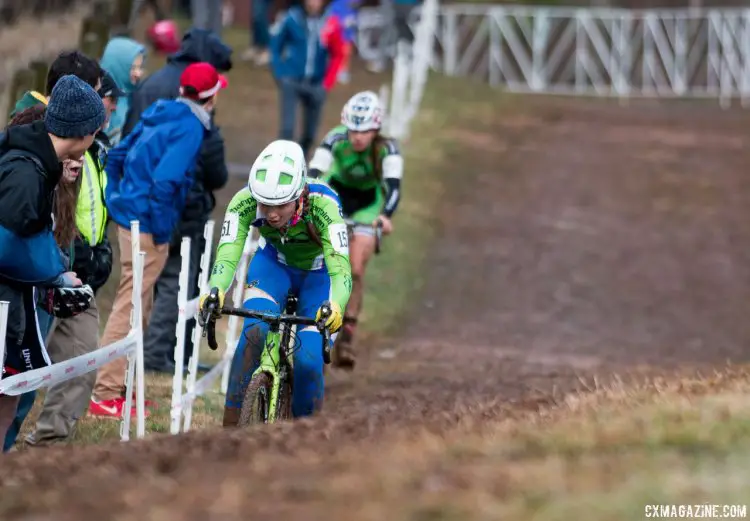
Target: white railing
[587, 51]
[183, 399]
[184, 390]
[130, 346]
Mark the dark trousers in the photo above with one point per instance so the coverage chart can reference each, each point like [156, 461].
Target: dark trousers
[261, 26]
[160, 337]
[312, 97]
[26, 401]
[25, 404]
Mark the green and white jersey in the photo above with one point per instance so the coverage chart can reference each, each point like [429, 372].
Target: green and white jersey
[340, 163]
[294, 247]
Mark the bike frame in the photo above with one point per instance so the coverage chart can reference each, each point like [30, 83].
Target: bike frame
[277, 357]
[274, 360]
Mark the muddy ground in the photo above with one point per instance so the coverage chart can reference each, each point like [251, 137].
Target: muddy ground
[579, 238]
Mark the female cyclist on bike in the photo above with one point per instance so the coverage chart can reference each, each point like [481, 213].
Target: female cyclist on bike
[303, 246]
[365, 169]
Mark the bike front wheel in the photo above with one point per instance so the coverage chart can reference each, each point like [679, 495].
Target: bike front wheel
[284, 411]
[256, 404]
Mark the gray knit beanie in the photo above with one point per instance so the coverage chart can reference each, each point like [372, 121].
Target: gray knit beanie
[74, 109]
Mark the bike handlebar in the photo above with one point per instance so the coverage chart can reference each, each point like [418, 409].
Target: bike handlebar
[211, 312]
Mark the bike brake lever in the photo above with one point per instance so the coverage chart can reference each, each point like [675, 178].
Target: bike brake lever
[378, 236]
[326, 346]
[325, 312]
[211, 330]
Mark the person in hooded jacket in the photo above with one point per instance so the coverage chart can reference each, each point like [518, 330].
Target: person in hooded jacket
[123, 59]
[149, 175]
[91, 255]
[30, 169]
[198, 45]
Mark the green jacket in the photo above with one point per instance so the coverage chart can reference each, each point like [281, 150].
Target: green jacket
[29, 99]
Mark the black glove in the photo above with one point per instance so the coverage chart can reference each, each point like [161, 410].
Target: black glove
[68, 302]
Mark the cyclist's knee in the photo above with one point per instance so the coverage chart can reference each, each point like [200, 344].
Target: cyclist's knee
[256, 296]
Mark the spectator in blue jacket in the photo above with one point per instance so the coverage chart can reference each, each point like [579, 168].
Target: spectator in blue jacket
[149, 176]
[198, 45]
[299, 63]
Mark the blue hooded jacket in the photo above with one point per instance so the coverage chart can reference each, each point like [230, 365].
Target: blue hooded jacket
[296, 50]
[150, 172]
[117, 60]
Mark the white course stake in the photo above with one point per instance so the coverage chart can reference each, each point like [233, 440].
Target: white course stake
[235, 324]
[179, 351]
[136, 325]
[208, 234]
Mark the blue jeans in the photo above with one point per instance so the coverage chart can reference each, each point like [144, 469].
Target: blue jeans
[27, 399]
[273, 282]
[312, 96]
[261, 27]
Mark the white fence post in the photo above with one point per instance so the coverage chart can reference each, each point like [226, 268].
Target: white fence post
[140, 382]
[235, 323]
[135, 358]
[208, 234]
[179, 350]
[604, 52]
[4, 305]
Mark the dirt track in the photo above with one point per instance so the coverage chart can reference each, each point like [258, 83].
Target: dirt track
[585, 238]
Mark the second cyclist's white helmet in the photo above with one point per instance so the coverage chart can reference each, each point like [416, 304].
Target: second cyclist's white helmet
[279, 173]
[362, 112]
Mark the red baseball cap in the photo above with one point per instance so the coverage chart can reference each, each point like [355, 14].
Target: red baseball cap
[201, 81]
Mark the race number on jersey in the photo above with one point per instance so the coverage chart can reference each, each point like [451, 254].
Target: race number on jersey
[339, 237]
[229, 228]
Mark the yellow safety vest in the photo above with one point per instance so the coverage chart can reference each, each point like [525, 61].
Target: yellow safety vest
[91, 214]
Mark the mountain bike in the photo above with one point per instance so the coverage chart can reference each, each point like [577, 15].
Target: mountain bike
[268, 397]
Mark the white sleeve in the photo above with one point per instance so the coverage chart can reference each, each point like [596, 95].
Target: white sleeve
[322, 160]
[393, 167]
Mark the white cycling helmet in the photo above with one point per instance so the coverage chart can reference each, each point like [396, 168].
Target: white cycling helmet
[279, 173]
[362, 112]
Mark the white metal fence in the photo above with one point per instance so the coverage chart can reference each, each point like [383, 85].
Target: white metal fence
[585, 51]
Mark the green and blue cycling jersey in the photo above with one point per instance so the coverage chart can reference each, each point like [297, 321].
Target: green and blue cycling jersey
[368, 182]
[293, 247]
[316, 270]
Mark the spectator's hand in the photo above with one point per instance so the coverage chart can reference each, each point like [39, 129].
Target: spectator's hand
[71, 280]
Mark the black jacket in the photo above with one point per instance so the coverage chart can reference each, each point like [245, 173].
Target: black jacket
[29, 173]
[26, 190]
[198, 45]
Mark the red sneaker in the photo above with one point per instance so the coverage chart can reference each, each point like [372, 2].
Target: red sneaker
[110, 408]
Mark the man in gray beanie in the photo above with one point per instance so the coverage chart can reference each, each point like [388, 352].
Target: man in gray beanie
[30, 169]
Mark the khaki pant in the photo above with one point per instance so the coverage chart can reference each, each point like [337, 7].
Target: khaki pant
[110, 381]
[67, 401]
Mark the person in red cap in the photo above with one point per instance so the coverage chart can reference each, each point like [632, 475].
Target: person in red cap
[149, 175]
